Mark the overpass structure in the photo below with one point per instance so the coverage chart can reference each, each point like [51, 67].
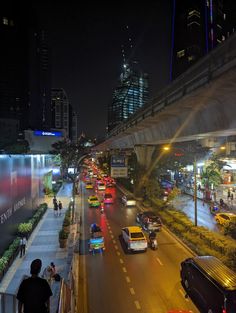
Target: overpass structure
[198, 105]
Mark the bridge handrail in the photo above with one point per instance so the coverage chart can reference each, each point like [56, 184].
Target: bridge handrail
[201, 73]
[8, 303]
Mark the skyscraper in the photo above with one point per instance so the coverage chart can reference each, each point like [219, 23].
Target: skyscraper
[130, 95]
[63, 115]
[25, 73]
[13, 66]
[198, 26]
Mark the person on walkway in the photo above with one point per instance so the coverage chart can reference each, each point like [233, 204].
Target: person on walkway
[23, 243]
[232, 198]
[229, 195]
[34, 292]
[60, 207]
[54, 200]
[55, 209]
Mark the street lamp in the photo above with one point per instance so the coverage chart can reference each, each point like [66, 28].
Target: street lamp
[166, 149]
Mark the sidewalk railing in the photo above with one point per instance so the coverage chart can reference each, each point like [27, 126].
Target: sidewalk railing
[8, 303]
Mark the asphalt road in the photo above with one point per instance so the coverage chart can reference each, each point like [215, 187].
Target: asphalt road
[118, 282]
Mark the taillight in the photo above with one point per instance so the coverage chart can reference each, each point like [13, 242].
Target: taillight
[224, 311]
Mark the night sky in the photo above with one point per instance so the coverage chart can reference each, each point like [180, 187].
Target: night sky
[86, 51]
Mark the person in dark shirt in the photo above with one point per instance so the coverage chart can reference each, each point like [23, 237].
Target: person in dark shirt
[34, 292]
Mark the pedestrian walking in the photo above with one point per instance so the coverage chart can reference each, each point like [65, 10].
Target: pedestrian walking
[229, 195]
[54, 200]
[60, 207]
[55, 209]
[34, 292]
[23, 242]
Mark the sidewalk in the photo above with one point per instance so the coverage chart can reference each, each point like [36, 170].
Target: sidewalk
[43, 244]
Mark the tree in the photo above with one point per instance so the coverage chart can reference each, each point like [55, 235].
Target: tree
[211, 175]
[70, 154]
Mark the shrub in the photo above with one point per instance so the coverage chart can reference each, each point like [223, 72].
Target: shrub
[3, 263]
[63, 234]
[25, 228]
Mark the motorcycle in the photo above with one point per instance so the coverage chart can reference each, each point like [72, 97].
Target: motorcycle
[153, 243]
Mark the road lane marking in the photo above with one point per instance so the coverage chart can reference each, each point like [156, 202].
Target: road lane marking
[114, 241]
[138, 306]
[116, 247]
[110, 231]
[127, 279]
[124, 269]
[121, 261]
[112, 236]
[159, 261]
[132, 291]
[117, 252]
[107, 223]
[183, 294]
[108, 226]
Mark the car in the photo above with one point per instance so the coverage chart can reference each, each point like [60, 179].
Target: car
[101, 186]
[134, 238]
[89, 185]
[128, 200]
[149, 221]
[108, 198]
[93, 201]
[225, 219]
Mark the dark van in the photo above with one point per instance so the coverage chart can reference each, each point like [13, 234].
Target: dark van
[210, 284]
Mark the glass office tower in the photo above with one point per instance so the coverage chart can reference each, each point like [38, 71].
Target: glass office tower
[130, 95]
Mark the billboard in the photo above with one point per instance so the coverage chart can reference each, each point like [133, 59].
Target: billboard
[118, 166]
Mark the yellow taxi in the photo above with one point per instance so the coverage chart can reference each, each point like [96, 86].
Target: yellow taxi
[134, 238]
[89, 185]
[93, 201]
[225, 219]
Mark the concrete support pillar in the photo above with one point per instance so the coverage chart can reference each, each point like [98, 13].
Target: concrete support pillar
[144, 154]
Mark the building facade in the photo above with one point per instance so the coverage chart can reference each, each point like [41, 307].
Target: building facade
[198, 26]
[25, 75]
[63, 115]
[131, 94]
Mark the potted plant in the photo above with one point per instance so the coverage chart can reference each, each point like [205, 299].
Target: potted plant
[63, 238]
[66, 224]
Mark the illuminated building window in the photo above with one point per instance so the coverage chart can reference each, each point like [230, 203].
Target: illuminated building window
[192, 23]
[5, 21]
[193, 13]
[181, 54]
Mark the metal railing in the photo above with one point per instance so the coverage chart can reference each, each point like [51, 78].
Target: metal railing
[8, 303]
[210, 67]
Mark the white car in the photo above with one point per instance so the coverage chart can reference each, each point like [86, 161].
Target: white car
[134, 238]
[101, 186]
[128, 200]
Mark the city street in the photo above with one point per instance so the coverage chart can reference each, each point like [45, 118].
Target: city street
[119, 282]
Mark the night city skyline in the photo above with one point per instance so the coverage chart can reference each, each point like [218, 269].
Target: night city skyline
[87, 52]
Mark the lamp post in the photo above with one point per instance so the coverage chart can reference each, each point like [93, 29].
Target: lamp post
[168, 148]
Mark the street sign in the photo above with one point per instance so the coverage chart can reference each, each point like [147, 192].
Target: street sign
[119, 172]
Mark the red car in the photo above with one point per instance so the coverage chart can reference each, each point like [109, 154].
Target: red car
[108, 199]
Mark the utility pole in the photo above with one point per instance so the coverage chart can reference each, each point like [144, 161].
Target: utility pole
[195, 190]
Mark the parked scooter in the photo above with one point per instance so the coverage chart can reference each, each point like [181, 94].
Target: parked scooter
[153, 241]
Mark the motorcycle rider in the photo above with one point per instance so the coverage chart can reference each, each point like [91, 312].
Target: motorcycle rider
[152, 235]
[152, 240]
[102, 207]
